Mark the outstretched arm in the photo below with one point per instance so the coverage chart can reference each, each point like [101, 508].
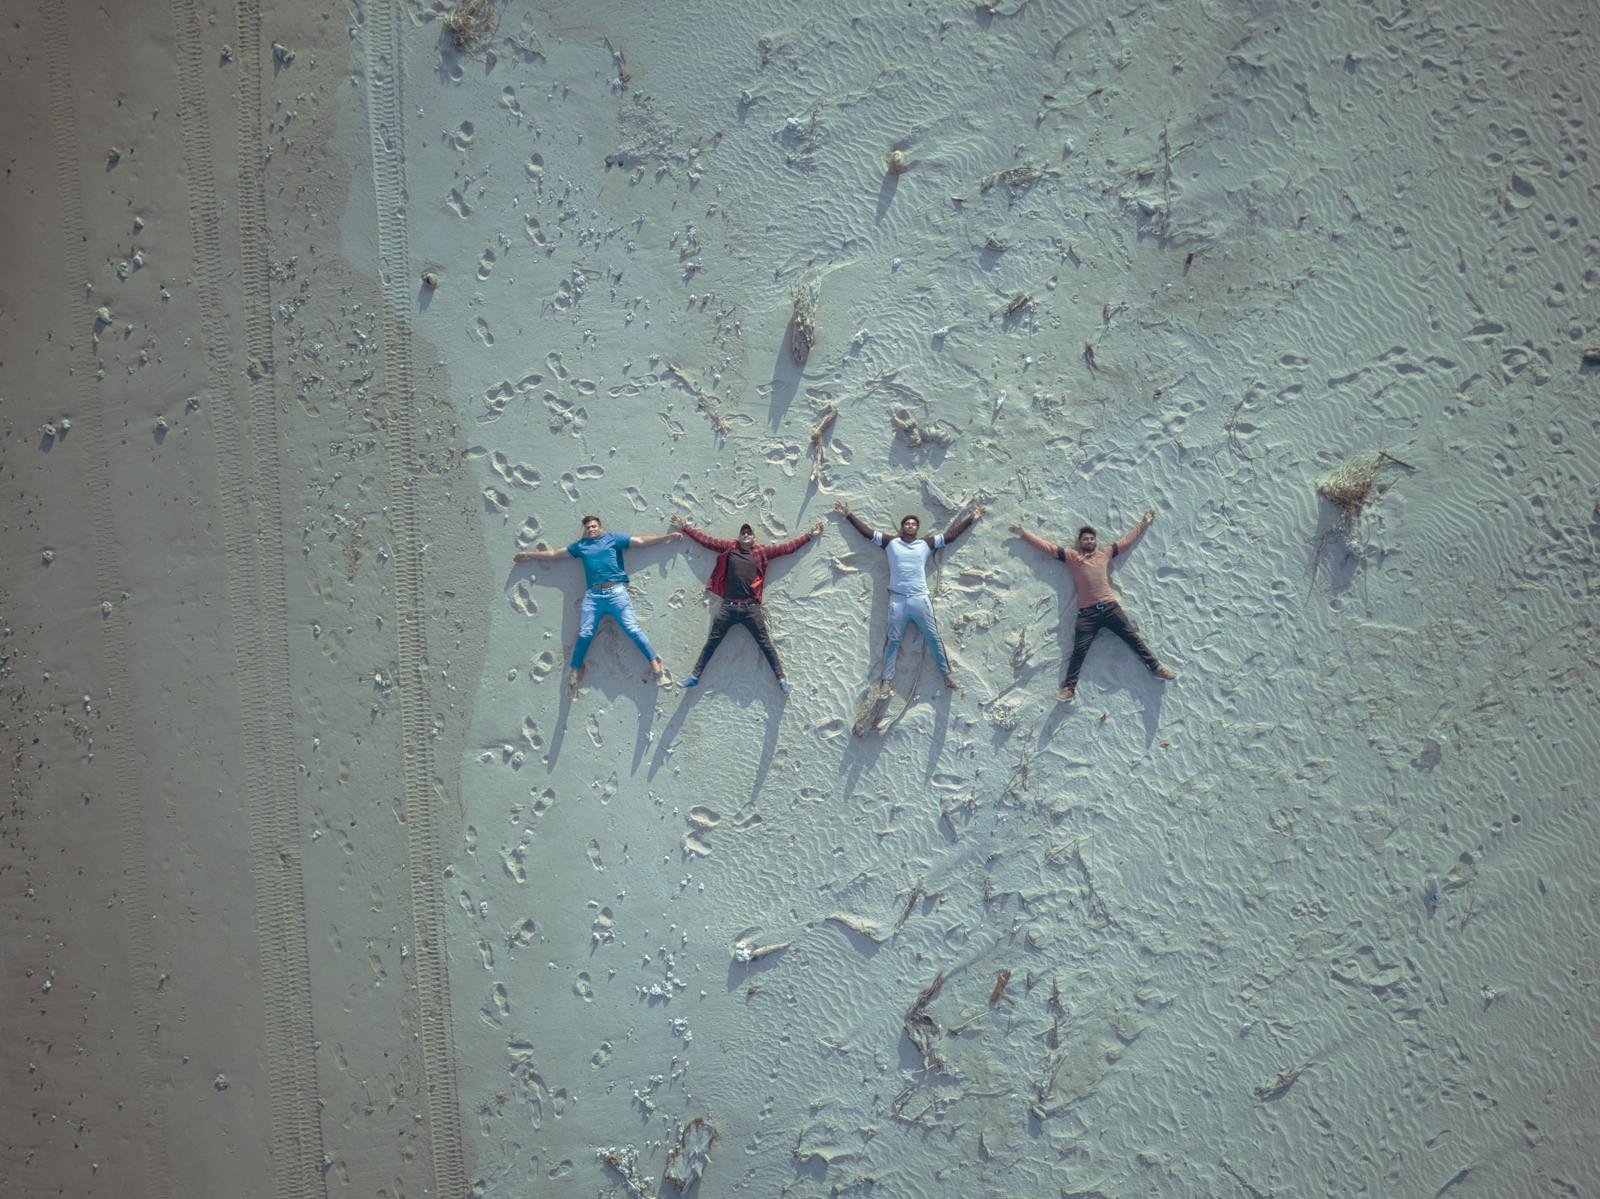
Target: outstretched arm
[789, 547]
[1038, 542]
[1125, 542]
[860, 526]
[719, 544]
[650, 539]
[961, 524]
[522, 556]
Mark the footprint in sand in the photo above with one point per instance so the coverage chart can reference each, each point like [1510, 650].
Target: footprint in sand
[600, 1056]
[471, 839]
[499, 1005]
[553, 361]
[528, 533]
[496, 399]
[508, 100]
[583, 988]
[604, 928]
[481, 328]
[564, 414]
[542, 666]
[486, 954]
[635, 499]
[461, 136]
[522, 600]
[522, 936]
[486, 263]
[593, 853]
[535, 234]
[457, 203]
[543, 801]
[701, 821]
[590, 472]
[592, 727]
[495, 501]
[511, 859]
[535, 167]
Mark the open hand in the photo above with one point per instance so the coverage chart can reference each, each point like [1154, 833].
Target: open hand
[521, 556]
[841, 507]
[977, 513]
[1014, 527]
[816, 529]
[1149, 515]
[677, 520]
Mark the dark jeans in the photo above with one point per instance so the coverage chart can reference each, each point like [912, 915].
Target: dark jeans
[1104, 616]
[752, 617]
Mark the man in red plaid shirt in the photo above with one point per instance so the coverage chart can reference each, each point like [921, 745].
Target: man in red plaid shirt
[738, 578]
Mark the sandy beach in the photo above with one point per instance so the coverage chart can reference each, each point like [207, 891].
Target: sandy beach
[317, 879]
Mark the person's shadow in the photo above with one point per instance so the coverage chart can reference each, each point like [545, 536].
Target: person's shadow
[743, 661]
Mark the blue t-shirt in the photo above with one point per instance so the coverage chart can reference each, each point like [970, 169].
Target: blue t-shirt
[602, 558]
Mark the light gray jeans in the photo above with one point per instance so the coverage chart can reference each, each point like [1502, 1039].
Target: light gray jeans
[917, 610]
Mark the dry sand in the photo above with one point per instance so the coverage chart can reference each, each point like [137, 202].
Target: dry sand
[317, 881]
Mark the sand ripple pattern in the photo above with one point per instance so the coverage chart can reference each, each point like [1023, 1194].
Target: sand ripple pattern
[1161, 938]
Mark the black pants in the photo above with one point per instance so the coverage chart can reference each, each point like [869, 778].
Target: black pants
[1104, 616]
[752, 617]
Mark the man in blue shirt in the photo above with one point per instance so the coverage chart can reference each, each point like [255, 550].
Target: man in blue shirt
[607, 594]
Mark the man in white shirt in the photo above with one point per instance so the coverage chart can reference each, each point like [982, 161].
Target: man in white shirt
[908, 583]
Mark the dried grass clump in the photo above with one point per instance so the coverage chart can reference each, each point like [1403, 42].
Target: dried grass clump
[470, 24]
[1350, 487]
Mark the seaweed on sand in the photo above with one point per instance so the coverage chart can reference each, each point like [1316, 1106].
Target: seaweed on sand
[470, 24]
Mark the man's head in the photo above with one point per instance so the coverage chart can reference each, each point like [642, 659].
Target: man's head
[1086, 539]
[747, 537]
[909, 526]
[592, 527]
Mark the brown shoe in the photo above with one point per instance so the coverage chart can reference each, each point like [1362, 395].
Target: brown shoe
[1067, 694]
[1162, 673]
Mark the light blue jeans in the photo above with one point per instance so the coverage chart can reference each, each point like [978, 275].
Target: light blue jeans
[616, 603]
[917, 610]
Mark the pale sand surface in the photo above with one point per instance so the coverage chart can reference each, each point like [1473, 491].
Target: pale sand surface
[315, 880]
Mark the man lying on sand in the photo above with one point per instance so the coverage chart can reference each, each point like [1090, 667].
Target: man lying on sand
[601, 555]
[908, 584]
[1098, 608]
[738, 577]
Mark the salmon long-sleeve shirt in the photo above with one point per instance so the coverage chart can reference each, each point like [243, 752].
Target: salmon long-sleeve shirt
[759, 556]
[1091, 573]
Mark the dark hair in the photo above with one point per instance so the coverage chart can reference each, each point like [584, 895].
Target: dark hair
[1086, 529]
[743, 529]
[596, 520]
[907, 517]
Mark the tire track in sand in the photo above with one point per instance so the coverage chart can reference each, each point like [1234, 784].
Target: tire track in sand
[142, 1004]
[245, 428]
[386, 134]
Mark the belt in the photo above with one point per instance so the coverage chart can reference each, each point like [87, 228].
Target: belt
[1103, 604]
[741, 603]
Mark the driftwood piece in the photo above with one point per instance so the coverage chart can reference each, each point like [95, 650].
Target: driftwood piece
[819, 440]
[922, 1030]
[803, 322]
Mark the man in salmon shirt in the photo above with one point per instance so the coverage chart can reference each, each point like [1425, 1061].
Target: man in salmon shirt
[1090, 564]
[738, 578]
